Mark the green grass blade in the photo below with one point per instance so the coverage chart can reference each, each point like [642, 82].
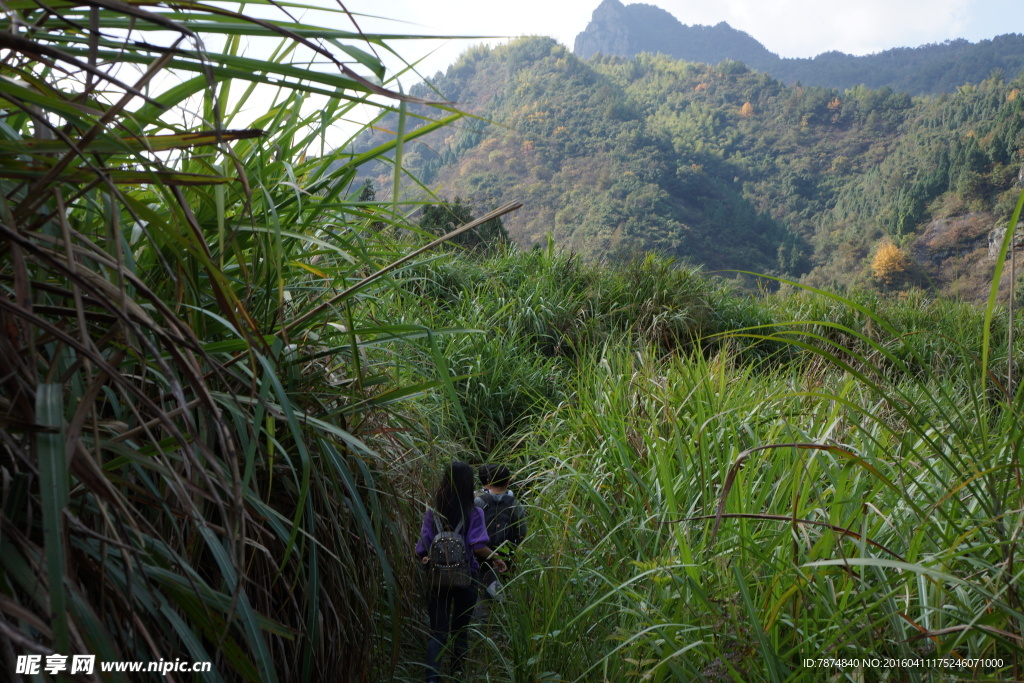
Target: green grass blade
[53, 490]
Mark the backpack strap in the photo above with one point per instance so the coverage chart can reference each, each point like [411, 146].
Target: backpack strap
[505, 503]
[438, 527]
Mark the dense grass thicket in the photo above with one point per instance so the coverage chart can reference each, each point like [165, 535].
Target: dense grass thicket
[198, 454]
[722, 485]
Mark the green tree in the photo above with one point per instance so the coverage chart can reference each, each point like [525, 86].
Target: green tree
[440, 219]
[368, 193]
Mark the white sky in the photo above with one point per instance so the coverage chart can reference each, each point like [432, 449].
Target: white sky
[790, 28]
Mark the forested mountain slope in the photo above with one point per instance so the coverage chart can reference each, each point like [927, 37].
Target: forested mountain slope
[727, 167]
[627, 30]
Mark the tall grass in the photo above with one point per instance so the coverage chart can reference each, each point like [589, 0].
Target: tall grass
[698, 519]
[791, 477]
[535, 317]
[197, 445]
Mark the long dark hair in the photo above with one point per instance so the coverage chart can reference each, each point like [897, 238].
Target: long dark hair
[454, 499]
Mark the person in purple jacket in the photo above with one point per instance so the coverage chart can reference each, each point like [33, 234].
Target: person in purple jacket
[450, 610]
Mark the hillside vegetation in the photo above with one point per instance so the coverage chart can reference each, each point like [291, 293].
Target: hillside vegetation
[729, 168]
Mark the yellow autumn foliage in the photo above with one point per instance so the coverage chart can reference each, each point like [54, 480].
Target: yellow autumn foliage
[890, 263]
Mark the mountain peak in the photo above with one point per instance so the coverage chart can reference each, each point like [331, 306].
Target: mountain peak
[606, 33]
[628, 30]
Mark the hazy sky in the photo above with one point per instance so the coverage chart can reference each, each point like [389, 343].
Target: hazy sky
[790, 28]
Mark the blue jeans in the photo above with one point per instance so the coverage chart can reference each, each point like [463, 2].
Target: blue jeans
[450, 612]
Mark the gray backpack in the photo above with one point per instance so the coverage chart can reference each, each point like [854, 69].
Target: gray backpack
[449, 560]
